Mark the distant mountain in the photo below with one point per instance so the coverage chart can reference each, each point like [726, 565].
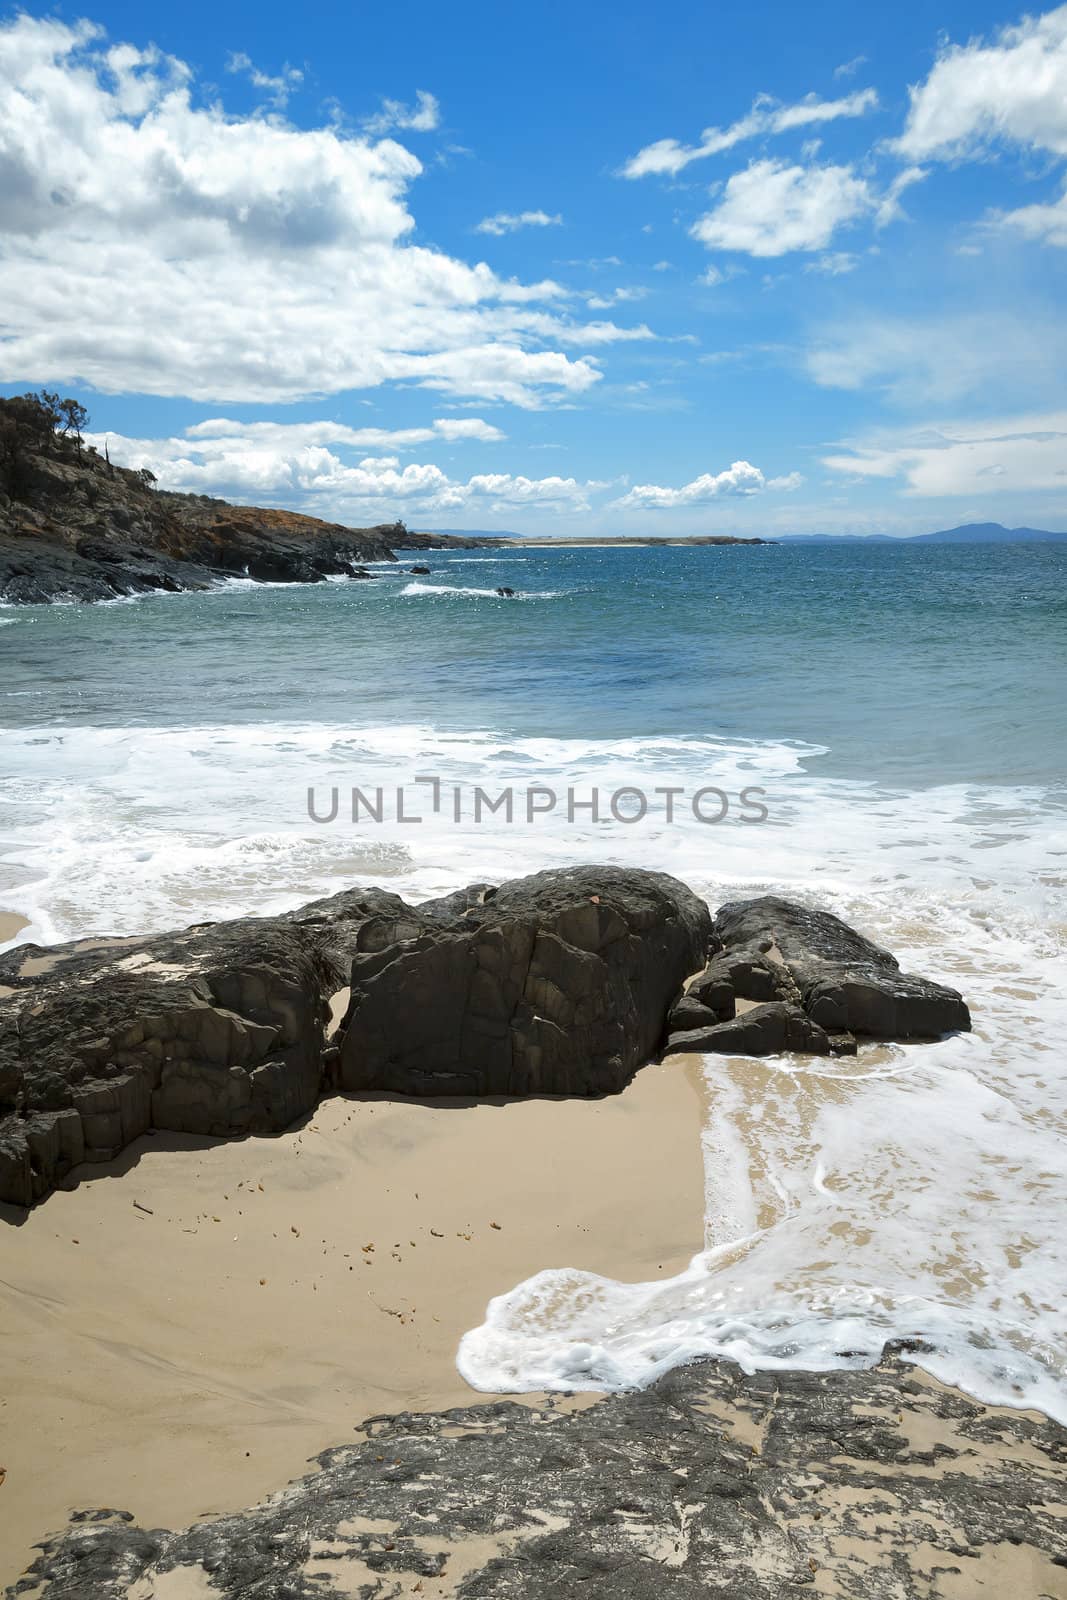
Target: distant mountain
[989, 533]
[970, 533]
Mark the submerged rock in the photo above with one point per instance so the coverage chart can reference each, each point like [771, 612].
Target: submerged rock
[877, 1485]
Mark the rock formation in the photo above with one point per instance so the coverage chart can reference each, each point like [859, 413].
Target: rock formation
[557, 983]
[786, 977]
[561, 983]
[873, 1485]
[554, 984]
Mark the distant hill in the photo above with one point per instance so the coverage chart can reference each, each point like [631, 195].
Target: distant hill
[969, 533]
[989, 533]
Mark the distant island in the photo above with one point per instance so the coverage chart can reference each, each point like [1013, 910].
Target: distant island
[969, 533]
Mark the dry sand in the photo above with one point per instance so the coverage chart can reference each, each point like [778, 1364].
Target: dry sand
[193, 1321]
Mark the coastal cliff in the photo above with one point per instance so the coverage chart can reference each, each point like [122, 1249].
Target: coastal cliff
[74, 526]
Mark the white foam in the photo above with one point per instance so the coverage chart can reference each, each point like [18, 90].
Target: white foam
[429, 589]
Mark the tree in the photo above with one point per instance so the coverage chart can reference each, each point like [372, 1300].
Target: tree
[73, 418]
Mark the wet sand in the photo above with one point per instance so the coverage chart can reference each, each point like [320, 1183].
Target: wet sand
[10, 925]
[188, 1325]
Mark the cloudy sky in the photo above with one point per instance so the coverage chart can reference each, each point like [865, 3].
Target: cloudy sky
[557, 268]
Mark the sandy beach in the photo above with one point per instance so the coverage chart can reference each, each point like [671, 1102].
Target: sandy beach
[191, 1322]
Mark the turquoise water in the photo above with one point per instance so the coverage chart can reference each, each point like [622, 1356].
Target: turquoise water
[913, 663]
[901, 711]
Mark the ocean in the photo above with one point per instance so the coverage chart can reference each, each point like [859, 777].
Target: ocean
[880, 731]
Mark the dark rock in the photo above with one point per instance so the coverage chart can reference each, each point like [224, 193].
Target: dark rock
[559, 982]
[858, 1483]
[713, 990]
[505, 593]
[419, 572]
[844, 981]
[764, 1030]
[688, 1013]
[554, 984]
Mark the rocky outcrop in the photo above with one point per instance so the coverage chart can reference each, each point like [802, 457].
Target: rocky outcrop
[216, 1030]
[786, 977]
[81, 528]
[559, 983]
[554, 984]
[872, 1485]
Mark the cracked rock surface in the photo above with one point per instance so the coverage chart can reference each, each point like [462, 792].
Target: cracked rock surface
[877, 1484]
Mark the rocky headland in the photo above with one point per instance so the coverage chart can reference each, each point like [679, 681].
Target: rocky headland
[74, 526]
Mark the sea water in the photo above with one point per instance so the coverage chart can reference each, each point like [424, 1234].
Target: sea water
[898, 713]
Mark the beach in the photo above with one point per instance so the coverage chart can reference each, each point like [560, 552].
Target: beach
[187, 1325]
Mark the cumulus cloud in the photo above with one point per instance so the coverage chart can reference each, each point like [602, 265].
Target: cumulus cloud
[740, 479]
[321, 467]
[1016, 455]
[1010, 90]
[512, 221]
[423, 117]
[156, 245]
[772, 208]
[667, 157]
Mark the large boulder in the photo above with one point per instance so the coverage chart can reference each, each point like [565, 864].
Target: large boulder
[558, 983]
[216, 1030]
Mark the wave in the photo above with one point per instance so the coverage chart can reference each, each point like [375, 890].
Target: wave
[423, 589]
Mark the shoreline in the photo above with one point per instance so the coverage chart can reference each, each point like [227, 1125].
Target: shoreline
[150, 1369]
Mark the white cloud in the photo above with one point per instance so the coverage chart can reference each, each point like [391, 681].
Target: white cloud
[668, 157]
[834, 263]
[1046, 223]
[848, 69]
[944, 357]
[278, 87]
[154, 245]
[1012, 90]
[742, 478]
[318, 467]
[772, 208]
[1017, 455]
[511, 221]
[423, 117]
[615, 297]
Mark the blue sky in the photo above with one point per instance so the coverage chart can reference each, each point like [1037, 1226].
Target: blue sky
[558, 269]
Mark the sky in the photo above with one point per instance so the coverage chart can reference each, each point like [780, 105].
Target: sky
[596, 268]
